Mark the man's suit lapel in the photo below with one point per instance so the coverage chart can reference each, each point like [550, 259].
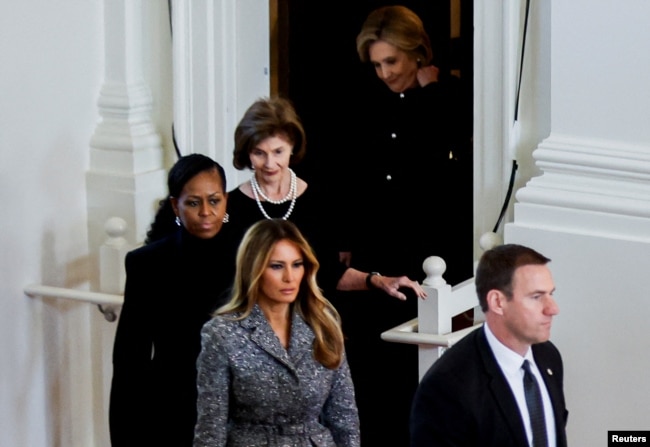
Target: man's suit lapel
[501, 392]
[550, 375]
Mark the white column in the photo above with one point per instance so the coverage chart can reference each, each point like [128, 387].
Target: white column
[498, 28]
[221, 65]
[125, 179]
[126, 176]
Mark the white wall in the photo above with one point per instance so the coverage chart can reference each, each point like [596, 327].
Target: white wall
[601, 329]
[52, 57]
[588, 209]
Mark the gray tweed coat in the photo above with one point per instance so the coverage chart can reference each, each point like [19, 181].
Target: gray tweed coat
[253, 392]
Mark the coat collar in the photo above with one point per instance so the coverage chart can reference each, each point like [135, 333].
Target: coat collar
[300, 341]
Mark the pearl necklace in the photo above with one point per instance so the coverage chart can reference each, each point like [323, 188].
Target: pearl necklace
[293, 193]
[292, 189]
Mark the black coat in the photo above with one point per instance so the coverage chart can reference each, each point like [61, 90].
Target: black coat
[465, 400]
[172, 286]
[400, 199]
[409, 200]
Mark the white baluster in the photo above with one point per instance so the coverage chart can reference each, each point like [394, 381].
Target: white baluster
[112, 275]
[434, 313]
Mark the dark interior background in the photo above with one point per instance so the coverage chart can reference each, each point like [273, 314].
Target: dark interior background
[318, 68]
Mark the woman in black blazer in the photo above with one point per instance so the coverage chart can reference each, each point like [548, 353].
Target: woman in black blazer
[173, 283]
[405, 158]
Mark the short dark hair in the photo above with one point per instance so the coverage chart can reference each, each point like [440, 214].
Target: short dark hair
[187, 167]
[497, 266]
[184, 170]
[268, 117]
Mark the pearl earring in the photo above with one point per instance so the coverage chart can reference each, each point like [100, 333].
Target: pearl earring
[178, 221]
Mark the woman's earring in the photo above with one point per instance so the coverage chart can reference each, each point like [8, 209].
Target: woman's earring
[178, 221]
[226, 218]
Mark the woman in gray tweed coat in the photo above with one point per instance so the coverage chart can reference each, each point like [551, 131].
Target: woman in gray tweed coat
[272, 369]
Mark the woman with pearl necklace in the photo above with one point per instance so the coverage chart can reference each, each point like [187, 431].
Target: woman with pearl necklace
[269, 139]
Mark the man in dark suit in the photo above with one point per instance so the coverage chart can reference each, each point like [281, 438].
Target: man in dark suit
[474, 395]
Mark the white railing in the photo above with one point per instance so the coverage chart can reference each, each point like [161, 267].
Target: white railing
[432, 330]
[111, 278]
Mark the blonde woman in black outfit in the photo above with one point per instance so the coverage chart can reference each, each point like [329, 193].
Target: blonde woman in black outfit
[410, 197]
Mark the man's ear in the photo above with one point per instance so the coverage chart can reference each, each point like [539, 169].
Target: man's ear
[495, 299]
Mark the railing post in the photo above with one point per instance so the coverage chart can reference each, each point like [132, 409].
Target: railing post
[112, 275]
[433, 312]
[432, 329]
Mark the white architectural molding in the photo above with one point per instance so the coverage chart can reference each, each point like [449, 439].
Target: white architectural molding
[221, 65]
[126, 179]
[498, 25]
[588, 186]
[595, 159]
[126, 176]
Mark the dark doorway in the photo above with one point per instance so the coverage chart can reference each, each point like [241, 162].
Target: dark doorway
[318, 68]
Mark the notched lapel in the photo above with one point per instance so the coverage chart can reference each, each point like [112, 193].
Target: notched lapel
[554, 387]
[302, 339]
[262, 335]
[501, 392]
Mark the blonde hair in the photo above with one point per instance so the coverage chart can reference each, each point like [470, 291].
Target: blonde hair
[398, 26]
[253, 257]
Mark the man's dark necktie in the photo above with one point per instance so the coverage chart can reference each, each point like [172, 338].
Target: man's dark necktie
[535, 407]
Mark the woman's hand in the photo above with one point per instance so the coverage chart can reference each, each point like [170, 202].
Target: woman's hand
[427, 75]
[354, 279]
[391, 285]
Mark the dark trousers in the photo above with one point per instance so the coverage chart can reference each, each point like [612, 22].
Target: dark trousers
[385, 374]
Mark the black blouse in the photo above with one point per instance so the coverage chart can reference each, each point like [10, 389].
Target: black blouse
[309, 214]
[411, 183]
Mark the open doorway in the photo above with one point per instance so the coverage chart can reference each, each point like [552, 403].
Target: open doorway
[314, 63]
